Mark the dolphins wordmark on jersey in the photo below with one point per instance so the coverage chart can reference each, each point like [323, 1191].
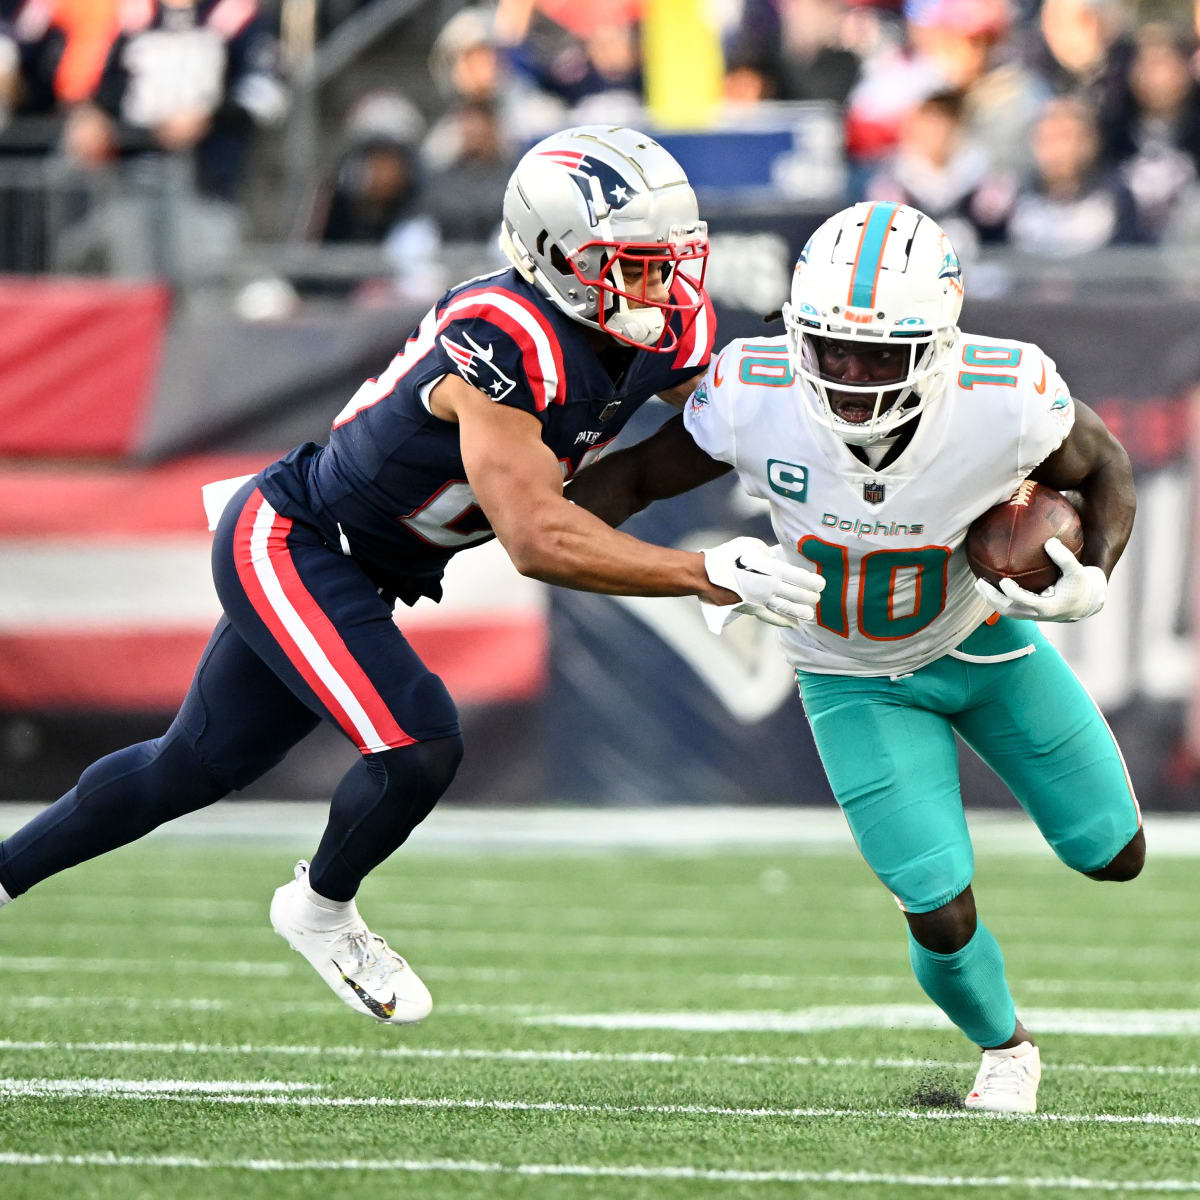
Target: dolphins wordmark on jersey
[391, 480]
[889, 543]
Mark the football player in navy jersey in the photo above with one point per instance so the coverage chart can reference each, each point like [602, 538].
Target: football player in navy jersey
[511, 383]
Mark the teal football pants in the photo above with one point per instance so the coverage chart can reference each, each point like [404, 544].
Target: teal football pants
[889, 751]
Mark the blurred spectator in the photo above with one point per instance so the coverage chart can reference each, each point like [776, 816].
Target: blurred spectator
[1088, 52]
[374, 194]
[749, 79]
[586, 56]
[894, 80]
[1163, 125]
[462, 194]
[1074, 204]
[63, 45]
[812, 61]
[464, 59]
[967, 40]
[468, 65]
[939, 169]
[184, 75]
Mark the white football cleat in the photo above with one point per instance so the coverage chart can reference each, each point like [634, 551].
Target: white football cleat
[359, 965]
[1008, 1080]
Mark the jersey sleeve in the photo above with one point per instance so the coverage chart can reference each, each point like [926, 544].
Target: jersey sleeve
[708, 414]
[1048, 413]
[503, 347]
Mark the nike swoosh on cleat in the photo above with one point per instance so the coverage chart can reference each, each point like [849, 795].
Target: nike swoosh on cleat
[383, 1009]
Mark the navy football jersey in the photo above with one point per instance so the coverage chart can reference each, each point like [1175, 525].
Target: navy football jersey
[391, 486]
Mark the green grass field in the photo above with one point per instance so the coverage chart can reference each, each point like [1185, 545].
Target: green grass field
[608, 1024]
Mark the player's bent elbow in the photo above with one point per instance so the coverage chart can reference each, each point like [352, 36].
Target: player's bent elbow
[534, 551]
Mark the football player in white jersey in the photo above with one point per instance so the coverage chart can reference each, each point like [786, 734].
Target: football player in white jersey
[878, 432]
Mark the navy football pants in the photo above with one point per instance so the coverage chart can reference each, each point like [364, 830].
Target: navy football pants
[305, 637]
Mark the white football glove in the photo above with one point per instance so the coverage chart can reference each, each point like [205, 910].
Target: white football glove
[772, 589]
[1079, 592]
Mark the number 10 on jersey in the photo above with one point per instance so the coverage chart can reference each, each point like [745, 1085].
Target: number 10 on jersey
[880, 574]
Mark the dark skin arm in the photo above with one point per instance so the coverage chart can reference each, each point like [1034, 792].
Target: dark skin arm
[1093, 463]
[666, 464]
[518, 484]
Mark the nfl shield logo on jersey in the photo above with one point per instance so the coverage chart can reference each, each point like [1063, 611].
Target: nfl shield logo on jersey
[873, 492]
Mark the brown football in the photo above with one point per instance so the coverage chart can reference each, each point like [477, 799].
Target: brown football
[1007, 541]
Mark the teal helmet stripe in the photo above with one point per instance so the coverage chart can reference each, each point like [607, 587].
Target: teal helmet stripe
[870, 252]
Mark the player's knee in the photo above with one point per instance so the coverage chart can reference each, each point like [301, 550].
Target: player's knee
[946, 929]
[1127, 864]
[416, 776]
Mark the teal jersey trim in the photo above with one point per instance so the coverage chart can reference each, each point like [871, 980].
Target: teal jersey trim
[870, 251]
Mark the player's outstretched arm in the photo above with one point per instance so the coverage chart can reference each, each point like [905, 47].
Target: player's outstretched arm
[1092, 462]
[623, 483]
[517, 482]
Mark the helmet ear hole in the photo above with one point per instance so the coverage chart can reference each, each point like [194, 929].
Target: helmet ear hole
[558, 260]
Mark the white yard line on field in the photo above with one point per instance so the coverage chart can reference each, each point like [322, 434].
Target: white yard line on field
[556, 920]
[328, 1007]
[1105, 1022]
[139, 1089]
[1098, 1021]
[790, 948]
[149, 1087]
[648, 1057]
[130, 966]
[742, 980]
[1069, 1183]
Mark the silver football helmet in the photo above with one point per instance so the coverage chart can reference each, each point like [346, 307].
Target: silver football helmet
[587, 206]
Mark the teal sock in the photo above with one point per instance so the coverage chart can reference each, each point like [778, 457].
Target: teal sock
[969, 986]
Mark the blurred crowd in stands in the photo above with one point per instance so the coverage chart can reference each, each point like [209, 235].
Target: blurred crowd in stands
[1055, 127]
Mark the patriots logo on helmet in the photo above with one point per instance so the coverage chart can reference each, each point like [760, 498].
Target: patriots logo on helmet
[616, 190]
[475, 364]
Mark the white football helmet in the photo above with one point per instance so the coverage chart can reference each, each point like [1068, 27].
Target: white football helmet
[585, 201]
[881, 273]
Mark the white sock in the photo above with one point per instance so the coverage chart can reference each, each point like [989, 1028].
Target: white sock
[323, 912]
[5, 898]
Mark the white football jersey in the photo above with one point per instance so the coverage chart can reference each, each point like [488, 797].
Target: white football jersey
[889, 543]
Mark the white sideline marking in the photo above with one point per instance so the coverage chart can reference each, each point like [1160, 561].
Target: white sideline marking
[490, 831]
[1101, 1021]
[581, 1170]
[13, 1089]
[651, 1057]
